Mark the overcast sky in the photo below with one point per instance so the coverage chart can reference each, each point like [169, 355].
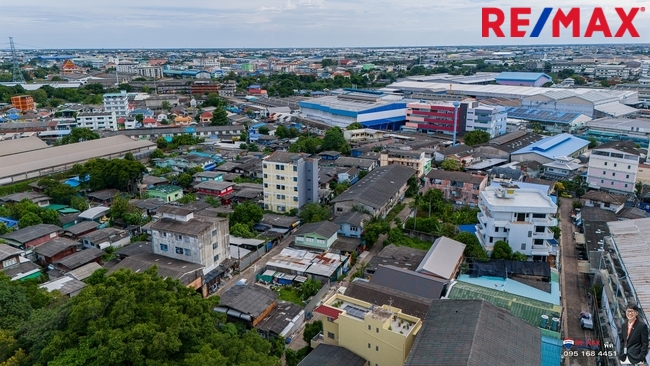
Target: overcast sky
[278, 23]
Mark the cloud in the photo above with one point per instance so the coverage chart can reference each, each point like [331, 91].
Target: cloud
[288, 5]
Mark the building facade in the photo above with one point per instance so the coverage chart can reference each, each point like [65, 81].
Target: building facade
[435, 117]
[413, 159]
[118, 103]
[382, 335]
[521, 217]
[491, 119]
[98, 121]
[23, 103]
[290, 181]
[613, 167]
[181, 235]
[459, 187]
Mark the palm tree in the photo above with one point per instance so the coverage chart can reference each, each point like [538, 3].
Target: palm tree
[414, 205]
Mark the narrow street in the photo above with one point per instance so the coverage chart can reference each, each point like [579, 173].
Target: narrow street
[573, 286]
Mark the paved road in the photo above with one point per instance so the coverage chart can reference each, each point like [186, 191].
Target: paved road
[574, 286]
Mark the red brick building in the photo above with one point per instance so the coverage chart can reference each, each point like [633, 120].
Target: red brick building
[55, 249]
[32, 236]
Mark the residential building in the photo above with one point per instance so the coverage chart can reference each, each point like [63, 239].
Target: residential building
[97, 121]
[563, 168]
[36, 198]
[317, 235]
[106, 237]
[377, 192]
[31, 236]
[382, 335]
[166, 192]
[149, 71]
[55, 249]
[208, 176]
[409, 304]
[604, 201]
[23, 103]
[290, 181]
[197, 239]
[118, 103]
[9, 256]
[250, 303]
[78, 259]
[490, 336]
[521, 217]
[351, 223]
[214, 188]
[140, 259]
[327, 355]
[643, 174]
[551, 121]
[501, 147]
[613, 167]
[443, 259]
[66, 285]
[459, 187]
[612, 72]
[402, 257]
[490, 119]
[549, 148]
[413, 159]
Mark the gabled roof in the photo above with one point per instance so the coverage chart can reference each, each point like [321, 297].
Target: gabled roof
[604, 197]
[78, 259]
[354, 218]
[521, 76]
[328, 355]
[82, 227]
[325, 229]
[456, 176]
[31, 232]
[442, 258]
[409, 281]
[378, 186]
[474, 332]
[381, 295]
[559, 145]
[55, 246]
[626, 146]
[250, 299]
[7, 251]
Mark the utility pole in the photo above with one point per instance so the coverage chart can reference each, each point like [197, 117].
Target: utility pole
[456, 105]
[16, 73]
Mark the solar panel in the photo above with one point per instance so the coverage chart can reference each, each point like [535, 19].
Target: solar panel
[355, 312]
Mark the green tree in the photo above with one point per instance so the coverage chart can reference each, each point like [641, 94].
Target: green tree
[29, 219]
[311, 330]
[120, 208]
[326, 62]
[78, 135]
[246, 213]
[4, 228]
[185, 180]
[50, 217]
[60, 193]
[157, 154]
[166, 106]
[241, 230]
[79, 203]
[263, 130]
[501, 250]
[354, 126]
[333, 139]
[592, 142]
[473, 248]
[282, 132]
[314, 212]
[309, 288]
[450, 164]
[187, 198]
[219, 117]
[476, 137]
[161, 143]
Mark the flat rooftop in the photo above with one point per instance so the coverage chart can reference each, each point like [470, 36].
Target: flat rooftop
[522, 198]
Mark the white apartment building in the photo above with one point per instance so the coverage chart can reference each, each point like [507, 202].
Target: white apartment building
[149, 71]
[118, 103]
[613, 167]
[645, 68]
[491, 119]
[412, 159]
[97, 121]
[611, 72]
[290, 181]
[126, 66]
[521, 217]
[182, 235]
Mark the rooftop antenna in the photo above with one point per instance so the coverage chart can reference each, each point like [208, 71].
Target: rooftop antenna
[16, 73]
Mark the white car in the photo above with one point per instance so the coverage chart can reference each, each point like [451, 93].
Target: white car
[586, 321]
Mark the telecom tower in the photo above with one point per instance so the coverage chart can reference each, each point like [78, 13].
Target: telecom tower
[16, 74]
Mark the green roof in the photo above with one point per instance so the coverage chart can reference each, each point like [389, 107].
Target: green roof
[523, 308]
[167, 189]
[68, 210]
[55, 207]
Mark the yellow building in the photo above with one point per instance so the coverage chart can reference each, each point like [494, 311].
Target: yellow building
[412, 159]
[382, 335]
[290, 181]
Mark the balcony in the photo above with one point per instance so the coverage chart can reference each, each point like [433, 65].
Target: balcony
[546, 234]
[546, 222]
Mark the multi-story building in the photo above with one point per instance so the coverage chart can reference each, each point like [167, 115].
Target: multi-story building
[97, 121]
[460, 187]
[435, 117]
[611, 72]
[149, 71]
[23, 102]
[382, 335]
[118, 103]
[520, 217]
[491, 119]
[228, 89]
[613, 167]
[182, 235]
[413, 159]
[290, 181]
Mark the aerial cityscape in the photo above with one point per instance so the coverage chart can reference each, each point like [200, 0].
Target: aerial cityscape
[256, 199]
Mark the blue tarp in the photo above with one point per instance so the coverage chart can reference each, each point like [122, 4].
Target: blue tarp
[471, 228]
[8, 222]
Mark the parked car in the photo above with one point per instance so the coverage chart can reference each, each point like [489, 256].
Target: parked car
[586, 321]
[582, 256]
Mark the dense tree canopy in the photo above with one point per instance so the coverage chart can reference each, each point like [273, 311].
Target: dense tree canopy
[78, 135]
[60, 193]
[476, 137]
[123, 319]
[120, 174]
[219, 117]
[333, 140]
[29, 214]
[473, 248]
[246, 213]
[450, 164]
[313, 212]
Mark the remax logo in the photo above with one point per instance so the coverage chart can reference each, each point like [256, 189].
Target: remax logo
[493, 18]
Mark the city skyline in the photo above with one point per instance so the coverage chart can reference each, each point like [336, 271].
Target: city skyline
[282, 24]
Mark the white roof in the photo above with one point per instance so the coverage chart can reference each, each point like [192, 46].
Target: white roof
[93, 213]
[632, 240]
[620, 124]
[16, 146]
[615, 109]
[442, 258]
[523, 198]
[235, 240]
[238, 252]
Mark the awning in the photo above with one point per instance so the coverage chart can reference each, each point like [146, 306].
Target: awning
[539, 252]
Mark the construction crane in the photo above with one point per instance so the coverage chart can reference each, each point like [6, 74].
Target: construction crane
[16, 73]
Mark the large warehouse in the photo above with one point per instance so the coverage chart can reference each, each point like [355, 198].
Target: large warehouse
[594, 103]
[43, 162]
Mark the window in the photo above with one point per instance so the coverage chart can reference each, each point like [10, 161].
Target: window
[309, 240]
[295, 198]
[265, 175]
[605, 163]
[627, 176]
[491, 238]
[216, 258]
[187, 252]
[376, 348]
[277, 186]
[320, 241]
[626, 186]
[377, 332]
[369, 327]
[9, 262]
[530, 234]
[330, 319]
[539, 216]
[369, 346]
[604, 172]
[496, 229]
[295, 168]
[613, 174]
[540, 229]
[614, 165]
[629, 166]
[266, 185]
[164, 247]
[179, 250]
[295, 189]
[330, 335]
[612, 183]
[215, 245]
[295, 179]
[180, 237]
[214, 232]
[602, 181]
[523, 246]
[164, 235]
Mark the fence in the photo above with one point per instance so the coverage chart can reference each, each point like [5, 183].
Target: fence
[420, 235]
[251, 257]
[315, 301]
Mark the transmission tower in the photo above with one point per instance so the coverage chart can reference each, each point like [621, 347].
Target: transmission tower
[16, 73]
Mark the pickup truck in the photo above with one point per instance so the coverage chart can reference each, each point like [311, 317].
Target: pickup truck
[586, 321]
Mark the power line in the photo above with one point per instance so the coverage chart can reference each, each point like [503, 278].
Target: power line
[16, 73]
